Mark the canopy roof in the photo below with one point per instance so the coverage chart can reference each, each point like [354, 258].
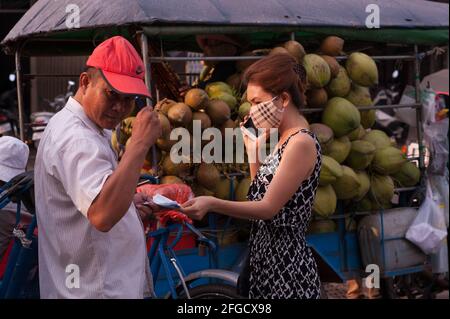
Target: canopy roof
[177, 21]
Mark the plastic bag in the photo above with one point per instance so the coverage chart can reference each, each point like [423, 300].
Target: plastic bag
[428, 229]
[439, 260]
[437, 140]
[177, 192]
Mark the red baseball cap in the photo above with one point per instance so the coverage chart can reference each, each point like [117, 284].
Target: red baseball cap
[121, 66]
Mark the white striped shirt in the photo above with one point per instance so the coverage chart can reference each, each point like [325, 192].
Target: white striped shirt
[73, 161]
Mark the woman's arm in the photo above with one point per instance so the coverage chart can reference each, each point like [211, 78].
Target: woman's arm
[296, 165]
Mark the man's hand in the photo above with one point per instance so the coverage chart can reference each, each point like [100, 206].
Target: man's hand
[146, 128]
[145, 210]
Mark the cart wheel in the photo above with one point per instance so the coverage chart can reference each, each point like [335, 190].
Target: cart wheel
[212, 291]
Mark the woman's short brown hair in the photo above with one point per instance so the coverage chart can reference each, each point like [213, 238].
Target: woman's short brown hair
[279, 73]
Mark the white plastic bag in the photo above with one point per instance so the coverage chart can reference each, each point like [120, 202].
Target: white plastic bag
[436, 136]
[439, 260]
[428, 229]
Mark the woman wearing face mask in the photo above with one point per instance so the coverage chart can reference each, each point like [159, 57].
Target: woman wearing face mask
[280, 265]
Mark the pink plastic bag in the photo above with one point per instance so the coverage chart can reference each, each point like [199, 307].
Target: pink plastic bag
[177, 192]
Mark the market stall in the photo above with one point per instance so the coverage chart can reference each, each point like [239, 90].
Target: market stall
[158, 28]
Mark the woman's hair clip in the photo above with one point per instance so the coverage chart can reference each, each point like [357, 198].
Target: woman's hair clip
[300, 70]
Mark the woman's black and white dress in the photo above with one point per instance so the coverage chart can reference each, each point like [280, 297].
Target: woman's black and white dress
[281, 265]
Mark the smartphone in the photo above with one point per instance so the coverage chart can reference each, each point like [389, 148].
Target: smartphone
[251, 129]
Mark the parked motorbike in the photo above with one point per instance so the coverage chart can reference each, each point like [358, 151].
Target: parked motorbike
[39, 120]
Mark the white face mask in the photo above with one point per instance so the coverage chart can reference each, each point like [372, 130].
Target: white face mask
[266, 114]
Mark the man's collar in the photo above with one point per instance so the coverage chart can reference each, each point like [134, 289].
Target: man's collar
[77, 109]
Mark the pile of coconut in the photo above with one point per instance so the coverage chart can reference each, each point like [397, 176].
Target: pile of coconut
[360, 165]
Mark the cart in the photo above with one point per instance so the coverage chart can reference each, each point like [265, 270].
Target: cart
[173, 25]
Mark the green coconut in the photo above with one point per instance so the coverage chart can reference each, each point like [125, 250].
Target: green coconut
[175, 169]
[330, 171]
[325, 201]
[378, 138]
[408, 175]
[295, 49]
[339, 149]
[278, 50]
[316, 98]
[218, 111]
[362, 69]
[359, 95]
[317, 70]
[368, 118]
[347, 186]
[204, 119]
[388, 160]
[357, 134]
[340, 85]
[333, 64]
[196, 98]
[341, 115]
[322, 226]
[332, 45]
[227, 98]
[381, 190]
[218, 87]
[364, 187]
[361, 154]
[208, 175]
[244, 110]
[180, 114]
[323, 133]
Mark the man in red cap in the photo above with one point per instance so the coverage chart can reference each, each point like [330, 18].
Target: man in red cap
[91, 238]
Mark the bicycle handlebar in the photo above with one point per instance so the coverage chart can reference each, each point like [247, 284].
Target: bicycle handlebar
[177, 226]
[202, 238]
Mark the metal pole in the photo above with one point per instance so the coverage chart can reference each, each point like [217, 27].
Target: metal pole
[366, 108]
[292, 36]
[382, 57]
[237, 58]
[204, 58]
[19, 94]
[33, 76]
[419, 109]
[147, 66]
[146, 61]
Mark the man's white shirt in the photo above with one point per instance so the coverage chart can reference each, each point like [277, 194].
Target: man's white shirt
[73, 161]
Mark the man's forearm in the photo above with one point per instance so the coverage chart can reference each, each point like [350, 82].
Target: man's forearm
[117, 193]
